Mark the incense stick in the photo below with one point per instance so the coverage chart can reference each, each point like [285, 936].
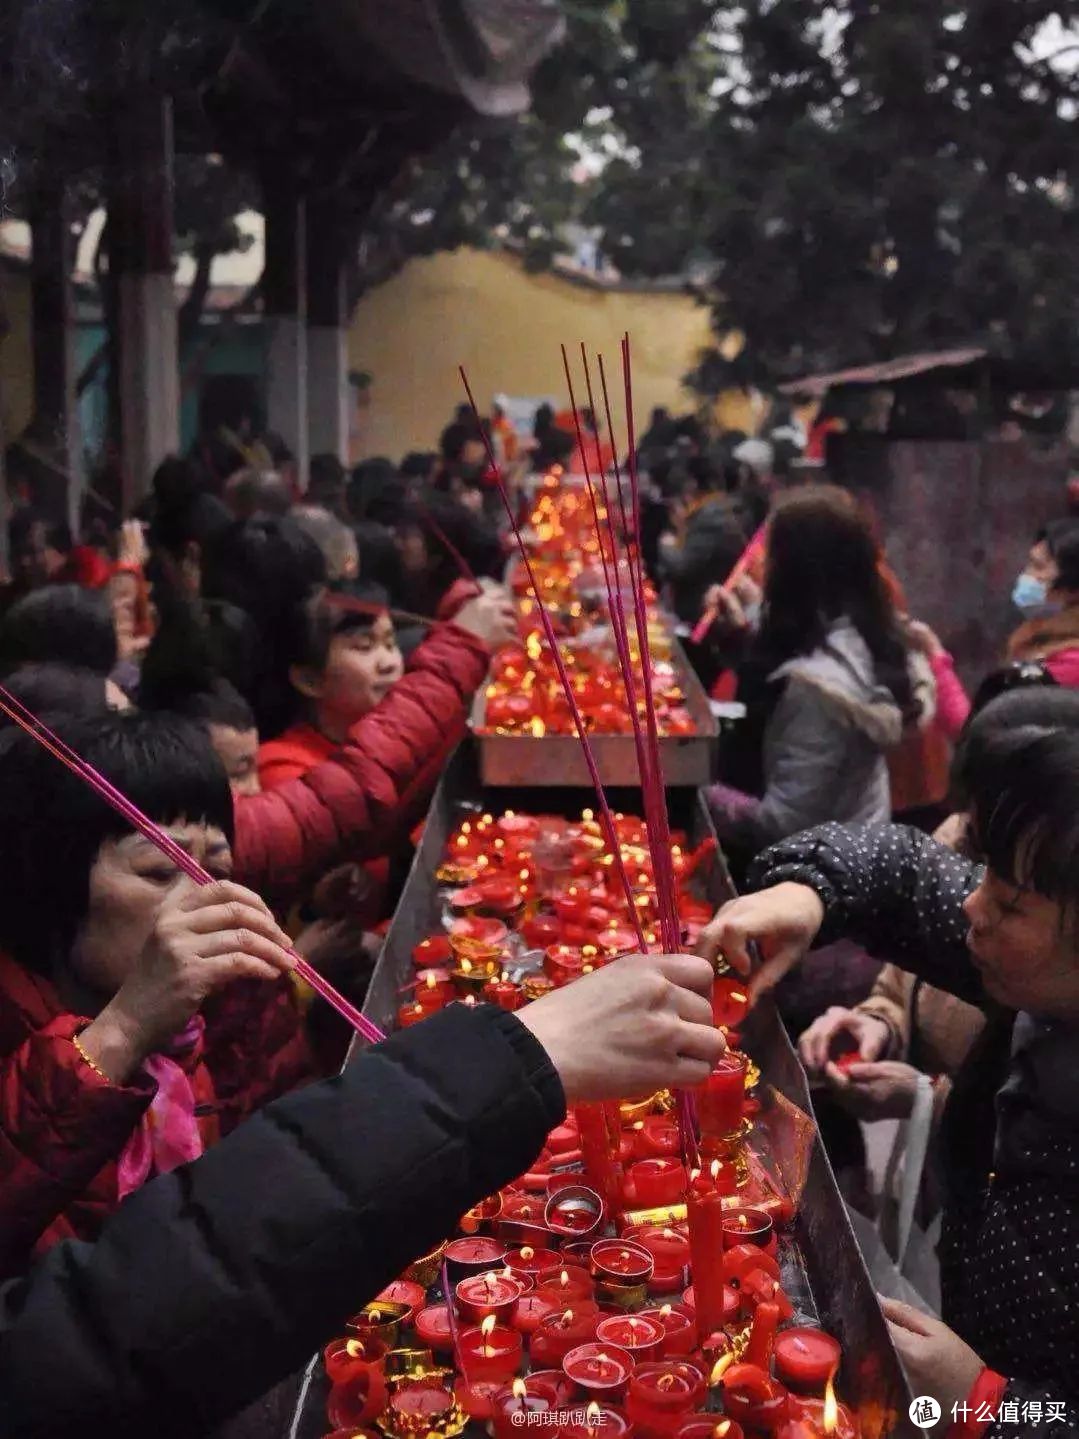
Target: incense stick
[440, 534]
[607, 819]
[50, 741]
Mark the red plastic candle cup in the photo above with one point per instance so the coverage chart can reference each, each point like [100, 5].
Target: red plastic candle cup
[530, 1259]
[513, 1403]
[522, 1207]
[661, 1395]
[749, 1226]
[809, 1414]
[344, 1358]
[617, 940]
[573, 1208]
[563, 1137]
[556, 1381]
[473, 1256]
[679, 1329]
[567, 1287]
[541, 931]
[491, 1351]
[475, 930]
[473, 1220]
[805, 1359]
[656, 1137]
[753, 1398]
[477, 1397]
[562, 963]
[639, 1335]
[433, 1328]
[531, 1310]
[481, 1296]
[730, 1002]
[656, 1182]
[433, 987]
[668, 1248]
[558, 1333]
[505, 994]
[601, 1421]
[721, 1101]
[622, 1262]
[601, 1371]
[410, 1014]
[432, 952]
[406, 1292]
[358, 1399]
[708, 1426]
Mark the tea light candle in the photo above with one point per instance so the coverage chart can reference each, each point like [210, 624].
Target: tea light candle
[567, 1287]
[721, 1103]
[513, 1403]
[662, 1394]
[730, 1002]
[358, 1399]
[432, 952]
[679, 1329]
[562, 964]
[668, 1248]
[601, 1370]
[343, 1358]
[481, 1296]
[753, 1398]
[504, 993]
[622, 1262]
[529, 1259]
[380, 1321]
[749, 1226]
[491, 1351]
[541, 931]
[410, 1014]
[433, 1327]
[657, 1181]
[819, 1419]
[656, 1137]
[477, 1397]
[805, 1359]
[639, 1335]
[434, 988]
[473, 1256]
[556, 1334]
[708, 1426]
[531, 1310]
[404, 1291]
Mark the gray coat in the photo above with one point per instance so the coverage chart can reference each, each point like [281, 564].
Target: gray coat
[826, 740]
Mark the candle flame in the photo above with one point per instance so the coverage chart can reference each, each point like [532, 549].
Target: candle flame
[639, 1124]
[831, 1408]
[528, 1252]
[722, 1430]
[520, 1389]
[375, 1315]
[739, 997]
[666, 1381]
[567, 1317]
[669, 1234]
[431, 981]
[694, 1175]
[538, 728]
[525, 874]
[742, 1221]
[592, 1413]
[720, 1368]
[354, 1349]
[510, 814]
[466, 966]
[564, 1280]
[587, 815]
[716, 1167]
[487, 1327]
[665, 1312]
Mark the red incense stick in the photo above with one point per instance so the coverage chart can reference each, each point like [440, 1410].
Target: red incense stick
[606, 818]
[440, 534]
[52, 742]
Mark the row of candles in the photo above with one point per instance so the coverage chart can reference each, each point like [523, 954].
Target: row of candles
[610, 1281]
[524, 695]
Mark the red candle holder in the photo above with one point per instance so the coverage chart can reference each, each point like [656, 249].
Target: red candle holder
[721, 1105]
[708, 1426]
[512, 1404]
[656, 1182]
[805, 1359]
[640, 1335]
[358, 1399]
[753, 1398]
[621, 1262]
[662, 1394]
[410, 1014]
[433, 1328]
[491, 1351]
[809, 1419]
[749, 1226]
[569, 1286]
[679, 1329]
[531, 1310]
[483, 1296]
[562, 963]
[573, 1209]
[557, 1334]
[730, 1002]
[505, 994]
[534, 1260]
[406, 1292]
[601, 1370]
[473, 1256]
[343, 1358]
[432, 952]
[541, 931]
[656, 1137]
[476, 1398]
[488, 1210]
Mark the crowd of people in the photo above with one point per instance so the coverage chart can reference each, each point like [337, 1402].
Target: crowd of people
[277, 675]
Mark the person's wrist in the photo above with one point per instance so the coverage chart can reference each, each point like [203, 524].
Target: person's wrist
[116, 1042]
[547, 1035]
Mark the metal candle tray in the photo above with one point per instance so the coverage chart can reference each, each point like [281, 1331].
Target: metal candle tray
[822, 1266]
[513, 760]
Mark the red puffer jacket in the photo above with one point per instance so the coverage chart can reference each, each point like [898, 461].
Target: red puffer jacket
[63, 1127]
[363, 800]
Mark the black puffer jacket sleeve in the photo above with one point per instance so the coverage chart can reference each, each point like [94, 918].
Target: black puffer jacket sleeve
[214, 1282]
[890, 888]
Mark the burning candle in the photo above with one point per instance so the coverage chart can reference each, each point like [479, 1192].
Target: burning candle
[639, 1335]
[358, 1399]
[531, 1310]
[679, 1326]
[762, 1335]
[504, 993]
[805, 1359]
[418, 1406]
[562, 963]
[404, 1291]
[567, 1287]
[656, 1181]
[656, 1137]
[820, 1418]
[491, 1351]
[753, 1398]
[662, 1394]
[557, 1334]
[749, 1226]
[721, 1104]
[483, 1296]
[540, 932]
[622, 1262]
[344, 1358]
[534, 1260]
[730, 1002]
[600, 1422]
[432, 952]
[410, 1014]
[731, 1302]
[708, 1426]
[601, 1370]
[668, 1248]
[433, 989]
[512, 1403]
[380, 1321]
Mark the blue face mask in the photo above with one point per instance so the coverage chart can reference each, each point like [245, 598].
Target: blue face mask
[1031, 597]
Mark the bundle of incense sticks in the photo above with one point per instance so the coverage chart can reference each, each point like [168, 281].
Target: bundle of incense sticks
[49, 740]
[646, 738]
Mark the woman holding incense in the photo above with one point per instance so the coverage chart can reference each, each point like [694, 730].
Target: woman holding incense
[1004, 938]
[220, 1279]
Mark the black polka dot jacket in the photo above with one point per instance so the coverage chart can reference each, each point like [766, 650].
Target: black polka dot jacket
[1010, 1244]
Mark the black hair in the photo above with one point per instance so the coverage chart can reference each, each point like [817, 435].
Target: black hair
[221, 704]
[184, 512]
[455, 437]
[65, 624]
[376, 492]
[1018, 768]
[181, 671]
[472, 537]
[1062, 540]
[380, 562]
[1023, 675]
[416, 465]
[55, 824]
[822, 564]
[56, 689]
[265, 565]
[57, 533]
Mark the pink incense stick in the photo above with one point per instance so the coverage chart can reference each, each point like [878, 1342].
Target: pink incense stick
[607, 819]
[440, 534]
[52, 742]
